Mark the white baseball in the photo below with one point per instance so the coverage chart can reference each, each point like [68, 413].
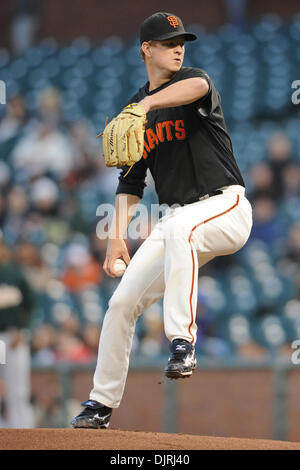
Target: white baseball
[119, 267]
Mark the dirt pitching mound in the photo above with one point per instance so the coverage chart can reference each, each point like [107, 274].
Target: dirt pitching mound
[90, 439]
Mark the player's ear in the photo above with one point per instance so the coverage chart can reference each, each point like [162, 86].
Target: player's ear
[146, 49]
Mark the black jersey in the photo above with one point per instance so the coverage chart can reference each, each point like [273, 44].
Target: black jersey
[187, 148]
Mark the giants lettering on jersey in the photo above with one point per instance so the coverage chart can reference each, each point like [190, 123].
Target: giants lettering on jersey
[164, 131]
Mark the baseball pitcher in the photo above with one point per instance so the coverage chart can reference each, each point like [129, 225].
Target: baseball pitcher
[173, 126]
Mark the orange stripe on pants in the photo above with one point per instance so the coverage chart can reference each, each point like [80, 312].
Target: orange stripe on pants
[193, 259]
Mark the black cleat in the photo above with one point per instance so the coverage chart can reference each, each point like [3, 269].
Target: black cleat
[95, 416]
[182, 360]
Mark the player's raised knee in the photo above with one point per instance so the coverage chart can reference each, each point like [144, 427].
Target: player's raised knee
[123, 304]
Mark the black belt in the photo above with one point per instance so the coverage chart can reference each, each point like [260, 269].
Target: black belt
[206, 196]
[212, 193]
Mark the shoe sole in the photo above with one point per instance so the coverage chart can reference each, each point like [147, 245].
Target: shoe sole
[90, 427]
[178, 375]
[81, 424]
[175, 374]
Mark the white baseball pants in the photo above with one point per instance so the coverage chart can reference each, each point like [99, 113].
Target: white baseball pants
[167, 264]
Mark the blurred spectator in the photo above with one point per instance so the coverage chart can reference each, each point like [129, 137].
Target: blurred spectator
[71, 342]
[43, 344]
[15, 120]
[70, 348]
[85, 142]
[279, 155]
[37, 273]
[33, 229]
[290, 256]
[81, 269]
[50, 104]
[5, 177]
[291, 181]
[41, 228]
[44, 149]
[47, 147]
[90, 336]
[44, 194]
[262, 181]
[17, 209]
[68, 345]
[70, 324]
[266, 225]
[24, 24]
[86, 158]
[2, 211]
[17, 201]
[297, 284]
[17, 305]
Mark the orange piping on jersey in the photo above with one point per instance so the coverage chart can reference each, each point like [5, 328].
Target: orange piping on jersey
[193, 259]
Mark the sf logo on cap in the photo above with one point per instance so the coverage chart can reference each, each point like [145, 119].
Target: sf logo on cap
[173, 21]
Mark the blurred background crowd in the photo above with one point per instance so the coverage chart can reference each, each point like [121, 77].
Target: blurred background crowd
[53, 179]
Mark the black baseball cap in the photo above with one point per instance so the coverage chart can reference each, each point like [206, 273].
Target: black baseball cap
[162, 26]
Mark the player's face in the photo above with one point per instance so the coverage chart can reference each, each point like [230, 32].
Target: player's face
[168, 54]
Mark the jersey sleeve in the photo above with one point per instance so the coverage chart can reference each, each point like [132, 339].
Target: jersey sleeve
[134, 181]
[206, 105]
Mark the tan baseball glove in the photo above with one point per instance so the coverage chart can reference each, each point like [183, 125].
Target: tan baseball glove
[123, 137]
